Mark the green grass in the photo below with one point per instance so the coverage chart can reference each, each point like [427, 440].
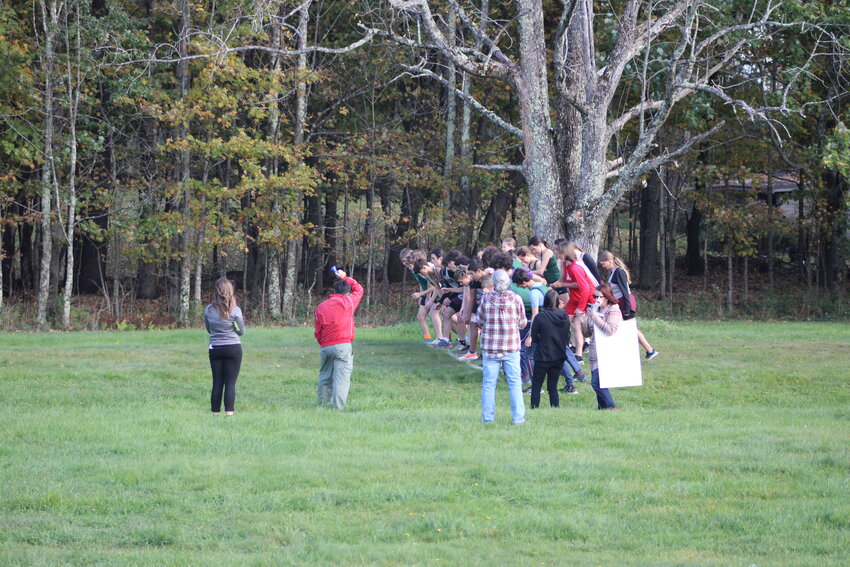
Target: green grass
[735, 452]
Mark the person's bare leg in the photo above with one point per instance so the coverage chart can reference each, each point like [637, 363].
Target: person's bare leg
[578, 336]
[460, 327]
[643, 342]
[473, 337]
[436, 320]
[448, 313]
[422, 317]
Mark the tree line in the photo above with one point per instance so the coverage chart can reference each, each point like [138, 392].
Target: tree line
[147, 148]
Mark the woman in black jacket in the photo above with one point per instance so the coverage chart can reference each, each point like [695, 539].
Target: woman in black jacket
[550, 333]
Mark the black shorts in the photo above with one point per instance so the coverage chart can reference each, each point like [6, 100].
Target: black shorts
[456, 304]
[562, 290]
[422, 300]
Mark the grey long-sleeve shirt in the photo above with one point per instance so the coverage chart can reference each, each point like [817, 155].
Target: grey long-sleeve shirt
[224, 331]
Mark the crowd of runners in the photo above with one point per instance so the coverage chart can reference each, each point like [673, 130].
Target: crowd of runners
[452, 285]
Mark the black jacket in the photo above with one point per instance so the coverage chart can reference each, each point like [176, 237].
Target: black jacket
[550, 331]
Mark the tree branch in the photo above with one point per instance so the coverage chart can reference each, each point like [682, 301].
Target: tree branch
[489, 114]
[421, 9]
[518, 168]
[265, 49]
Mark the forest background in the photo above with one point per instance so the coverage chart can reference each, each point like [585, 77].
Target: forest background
[148, 147]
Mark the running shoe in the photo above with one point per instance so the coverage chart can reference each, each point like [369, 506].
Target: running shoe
[651, 354]
[469, 356]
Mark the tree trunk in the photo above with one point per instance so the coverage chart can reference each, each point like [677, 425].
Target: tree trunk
[541, 165]
[3, 230]
[466, 188]
[199, 274]
[273, 170]
[496, 214]
[693, 261]
[73, 84]
[184, 172]
[662, 248]
[292, 248]
[612, 231]
[451, 107]
[835, 189]
[730, 274]
[49, 21]
[649, 221]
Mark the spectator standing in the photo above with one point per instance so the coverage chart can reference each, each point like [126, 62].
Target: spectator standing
[550, 334]
[334, 330]
[605, 313]
[501, 315]
[223, 321]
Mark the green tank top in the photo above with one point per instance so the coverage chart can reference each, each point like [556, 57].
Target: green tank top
[552, 273]
[524, 295]
[423, 282]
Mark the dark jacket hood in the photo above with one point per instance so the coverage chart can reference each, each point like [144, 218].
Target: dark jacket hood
[557, 317]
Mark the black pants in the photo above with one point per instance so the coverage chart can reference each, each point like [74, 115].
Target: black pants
[225, 362]
[551, 371]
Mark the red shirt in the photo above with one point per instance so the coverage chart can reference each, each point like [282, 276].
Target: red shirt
[583, 294]
[335, 316]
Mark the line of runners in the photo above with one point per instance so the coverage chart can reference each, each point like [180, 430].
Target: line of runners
[452, 284]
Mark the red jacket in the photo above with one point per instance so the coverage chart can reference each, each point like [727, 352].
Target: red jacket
[335, 316]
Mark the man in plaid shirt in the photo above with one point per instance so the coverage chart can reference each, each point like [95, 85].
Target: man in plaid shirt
[501, 315]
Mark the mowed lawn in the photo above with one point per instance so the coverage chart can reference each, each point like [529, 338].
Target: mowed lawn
[736, 451]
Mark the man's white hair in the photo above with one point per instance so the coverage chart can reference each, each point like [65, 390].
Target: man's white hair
[501, 280]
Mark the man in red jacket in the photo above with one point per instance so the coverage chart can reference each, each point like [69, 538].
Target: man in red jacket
[335, 332]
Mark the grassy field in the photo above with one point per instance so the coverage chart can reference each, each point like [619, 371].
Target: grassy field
[735, 452]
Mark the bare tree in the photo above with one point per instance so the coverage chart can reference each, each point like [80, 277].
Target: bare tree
[292, 247]
[184, 167]
[573, 182]
[73, 80]
[50, 26]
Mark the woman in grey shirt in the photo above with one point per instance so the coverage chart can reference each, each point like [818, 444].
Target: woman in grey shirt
[223, 321]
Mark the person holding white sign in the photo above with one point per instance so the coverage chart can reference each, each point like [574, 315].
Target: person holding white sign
[606, 314]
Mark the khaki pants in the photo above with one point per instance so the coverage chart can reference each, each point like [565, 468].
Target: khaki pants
[336, 364]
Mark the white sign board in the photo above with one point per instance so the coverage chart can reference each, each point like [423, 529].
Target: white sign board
[619, 356]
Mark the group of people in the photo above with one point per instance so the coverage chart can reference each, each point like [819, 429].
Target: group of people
[528, 311]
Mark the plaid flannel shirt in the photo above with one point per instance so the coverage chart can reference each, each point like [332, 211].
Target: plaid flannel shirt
[500, 316]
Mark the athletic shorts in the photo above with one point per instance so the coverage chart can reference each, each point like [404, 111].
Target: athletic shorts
[571, 307]
[444, 297]
[423, 300]
[456, 303]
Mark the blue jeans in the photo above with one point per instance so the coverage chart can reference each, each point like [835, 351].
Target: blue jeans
[491, 366]
[570, 364]
[603, 396]
[526, 356]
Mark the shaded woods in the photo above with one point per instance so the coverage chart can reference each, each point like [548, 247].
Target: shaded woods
[147, 148]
